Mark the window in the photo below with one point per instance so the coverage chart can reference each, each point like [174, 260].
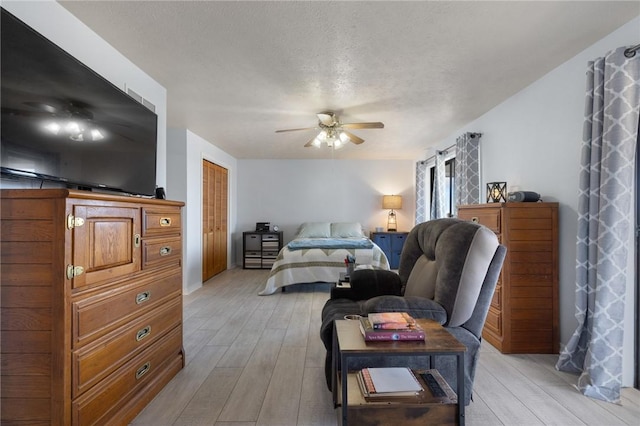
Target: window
[425, 175]
[450, 173]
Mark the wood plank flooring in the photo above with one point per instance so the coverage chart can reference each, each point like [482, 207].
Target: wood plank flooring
[258, 360]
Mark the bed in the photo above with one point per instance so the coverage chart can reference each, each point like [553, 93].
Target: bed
[318, 252]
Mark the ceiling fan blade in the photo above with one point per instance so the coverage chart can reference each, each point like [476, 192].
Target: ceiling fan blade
[294, 130]
[327, 118]
[310, 143]
[373, 125]
[355, 139]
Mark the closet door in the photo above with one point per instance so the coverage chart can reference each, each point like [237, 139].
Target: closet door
[214, 216]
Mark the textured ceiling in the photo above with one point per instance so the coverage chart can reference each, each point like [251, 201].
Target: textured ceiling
[237, 71]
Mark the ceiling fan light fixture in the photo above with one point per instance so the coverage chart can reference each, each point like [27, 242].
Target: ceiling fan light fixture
[332, 131]
[78, 137]
[96, 135]
[53, 127]
[73, 127]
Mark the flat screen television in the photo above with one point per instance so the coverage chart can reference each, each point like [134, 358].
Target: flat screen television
[63, 122]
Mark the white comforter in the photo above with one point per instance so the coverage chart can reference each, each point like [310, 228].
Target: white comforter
[318, 265]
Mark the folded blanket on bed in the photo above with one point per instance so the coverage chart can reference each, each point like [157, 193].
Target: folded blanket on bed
[330, 243]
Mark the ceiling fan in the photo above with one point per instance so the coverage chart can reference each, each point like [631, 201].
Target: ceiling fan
[332, 131]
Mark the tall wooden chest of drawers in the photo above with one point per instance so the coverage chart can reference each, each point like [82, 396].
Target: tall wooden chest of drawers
[523, 316]
[91, 305]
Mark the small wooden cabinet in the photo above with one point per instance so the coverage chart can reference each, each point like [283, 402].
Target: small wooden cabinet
[91, 305]
[260, 249]
[523, 316]
[391, 244]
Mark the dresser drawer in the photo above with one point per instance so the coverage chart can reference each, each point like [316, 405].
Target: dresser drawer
[92, 364]
[161, 252]
[270, 237]
[94, 317]
[487, 217]
[160, 221]
[116, 390]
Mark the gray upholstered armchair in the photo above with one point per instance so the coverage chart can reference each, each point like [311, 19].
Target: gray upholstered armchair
[448, 272]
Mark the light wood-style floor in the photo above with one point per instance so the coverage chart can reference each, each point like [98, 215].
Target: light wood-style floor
[258, 360]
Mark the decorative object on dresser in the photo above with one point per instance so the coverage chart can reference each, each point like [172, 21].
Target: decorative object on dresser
[496, 192]
[91, 305]
[391, 244]
[261, 248]
[523, 196]
[523, 316]
[393, 202]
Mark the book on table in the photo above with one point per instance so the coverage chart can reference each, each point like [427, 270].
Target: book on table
[413, 333]
[391, 320]
[388, 382]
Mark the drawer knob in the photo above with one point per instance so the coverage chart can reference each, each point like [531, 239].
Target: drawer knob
[143, 370]
[475, 219]
[165, 251]
[142, 333]
[143, 297]
[165, 221]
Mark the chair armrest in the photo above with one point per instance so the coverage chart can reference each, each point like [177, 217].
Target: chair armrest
[368, 283]
[417, 307]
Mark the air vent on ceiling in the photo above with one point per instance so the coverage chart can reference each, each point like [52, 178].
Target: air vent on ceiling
[142, 100]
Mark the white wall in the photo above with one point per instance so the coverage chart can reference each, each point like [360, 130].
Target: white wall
[61, 27]
[532, 141]
[290, 192]
[185, 151]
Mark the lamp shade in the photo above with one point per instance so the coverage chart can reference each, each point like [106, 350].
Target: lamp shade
[393, 202]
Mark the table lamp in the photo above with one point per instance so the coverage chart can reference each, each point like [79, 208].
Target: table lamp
[392, 202]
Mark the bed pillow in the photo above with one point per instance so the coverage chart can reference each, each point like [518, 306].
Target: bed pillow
[346, 230]
[314, 230]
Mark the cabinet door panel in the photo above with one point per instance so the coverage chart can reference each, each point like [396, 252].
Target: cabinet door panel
[107, 245]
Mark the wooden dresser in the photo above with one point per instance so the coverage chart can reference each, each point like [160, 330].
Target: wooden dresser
[91, 305]
[523, 316]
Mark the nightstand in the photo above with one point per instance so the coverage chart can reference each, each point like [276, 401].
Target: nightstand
[260, 249]
[391, 244]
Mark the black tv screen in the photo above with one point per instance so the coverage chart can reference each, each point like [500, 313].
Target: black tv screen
[63, 122]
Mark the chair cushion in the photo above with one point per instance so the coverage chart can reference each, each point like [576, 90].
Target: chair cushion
[422, 280]
[417, 307]
[451, 258]
[481, 250]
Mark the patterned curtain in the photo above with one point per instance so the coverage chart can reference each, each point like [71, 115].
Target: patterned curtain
[467, 181]
[604, 224]
[438, 205]
[421, 187]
